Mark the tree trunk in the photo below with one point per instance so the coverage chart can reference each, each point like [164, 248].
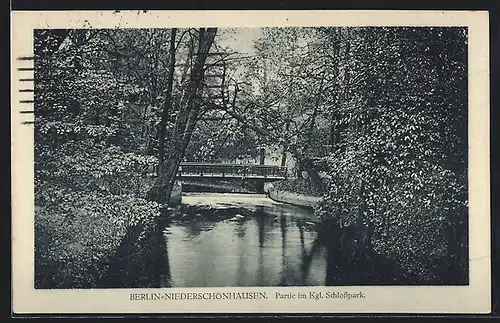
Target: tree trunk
[167, 106]
[262, 156]
[187, 116]
[285, 144]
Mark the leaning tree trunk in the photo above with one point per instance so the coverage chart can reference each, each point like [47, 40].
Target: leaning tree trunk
[167, 107]
[185, 122]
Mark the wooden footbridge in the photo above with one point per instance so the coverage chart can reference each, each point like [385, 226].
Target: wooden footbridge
[193, 170]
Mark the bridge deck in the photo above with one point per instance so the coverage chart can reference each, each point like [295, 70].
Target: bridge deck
[229, 176]
[214, 170]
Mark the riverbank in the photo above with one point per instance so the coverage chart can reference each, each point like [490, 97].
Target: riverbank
[294, 199]
[299, 192]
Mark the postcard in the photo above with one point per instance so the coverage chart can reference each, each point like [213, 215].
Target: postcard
[250, 162]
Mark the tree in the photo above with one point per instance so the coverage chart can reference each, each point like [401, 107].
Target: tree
[188, 109]
[391, 175]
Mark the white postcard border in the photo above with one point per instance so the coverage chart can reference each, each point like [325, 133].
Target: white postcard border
[474, 298]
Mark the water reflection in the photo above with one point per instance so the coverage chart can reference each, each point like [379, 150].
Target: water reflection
[261, 243]
[237, 240]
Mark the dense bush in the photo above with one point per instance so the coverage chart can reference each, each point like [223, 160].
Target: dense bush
[399, 170]
[77, 234]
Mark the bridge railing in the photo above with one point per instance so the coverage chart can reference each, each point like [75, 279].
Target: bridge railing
[233, 170]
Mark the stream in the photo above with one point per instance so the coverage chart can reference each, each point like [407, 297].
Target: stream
[243, 240]
[225, 240]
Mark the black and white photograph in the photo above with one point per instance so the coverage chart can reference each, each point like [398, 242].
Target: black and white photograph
[214, 157]
[187, 158]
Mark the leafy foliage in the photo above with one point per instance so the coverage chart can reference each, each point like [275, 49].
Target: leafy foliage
[88, 169]
[77, 234]
[393, 171]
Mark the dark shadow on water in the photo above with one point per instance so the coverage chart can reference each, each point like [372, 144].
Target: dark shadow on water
[283, 229]
[260, 218]
[264, 224]
[349, 262]
[352, 262]
[242, 261]
[139, 263]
